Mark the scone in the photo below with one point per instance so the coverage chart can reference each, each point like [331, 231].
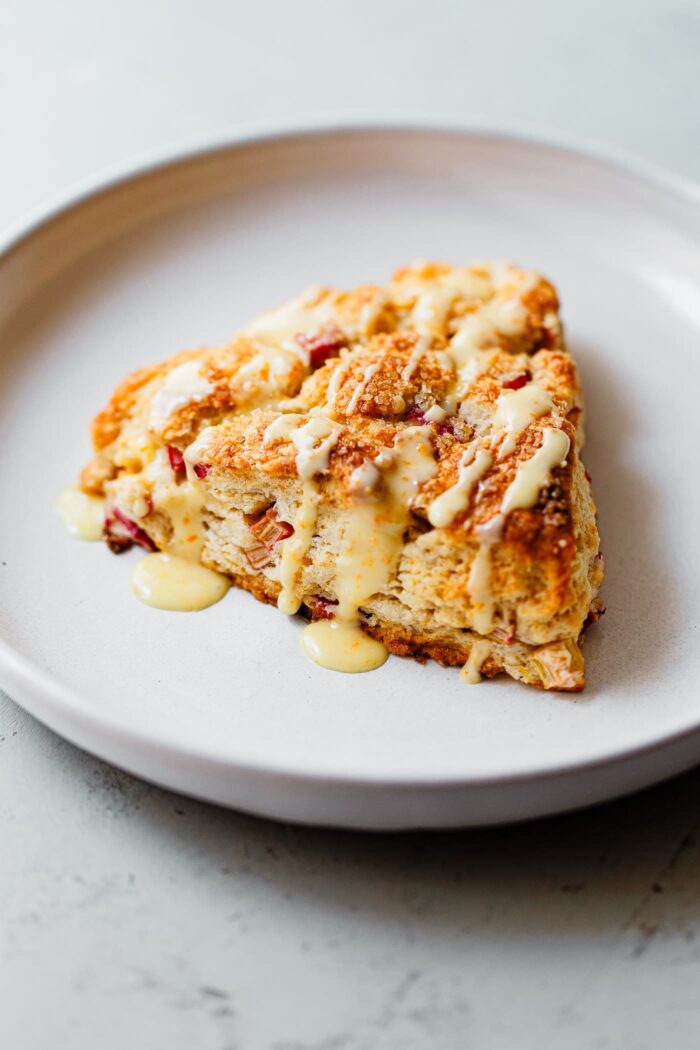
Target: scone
[404, 460]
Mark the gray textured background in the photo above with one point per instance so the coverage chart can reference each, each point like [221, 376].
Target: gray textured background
[134, 918]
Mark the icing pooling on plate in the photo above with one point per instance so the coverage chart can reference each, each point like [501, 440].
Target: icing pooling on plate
[166, 581]
[163, 580]
[339, 646]
[82, 515]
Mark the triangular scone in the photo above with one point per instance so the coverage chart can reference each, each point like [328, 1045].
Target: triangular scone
[408, 456]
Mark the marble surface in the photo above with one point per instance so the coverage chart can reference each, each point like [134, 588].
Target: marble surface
[132, 917]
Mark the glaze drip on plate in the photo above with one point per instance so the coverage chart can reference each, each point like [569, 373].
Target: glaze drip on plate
[167, 581]
[83, 515]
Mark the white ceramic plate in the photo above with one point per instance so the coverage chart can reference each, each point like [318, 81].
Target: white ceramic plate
[222, 704]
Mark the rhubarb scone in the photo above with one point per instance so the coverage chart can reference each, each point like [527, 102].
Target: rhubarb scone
[397, 462]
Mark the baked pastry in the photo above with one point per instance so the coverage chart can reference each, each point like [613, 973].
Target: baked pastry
[400, 459]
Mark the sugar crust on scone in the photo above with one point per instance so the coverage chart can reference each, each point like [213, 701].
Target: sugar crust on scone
[466, 367]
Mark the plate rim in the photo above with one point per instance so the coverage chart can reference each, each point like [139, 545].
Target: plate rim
[19, 672]
[181, 151]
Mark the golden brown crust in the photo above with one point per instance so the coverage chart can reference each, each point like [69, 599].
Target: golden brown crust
[422, 647]
[107, 424]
